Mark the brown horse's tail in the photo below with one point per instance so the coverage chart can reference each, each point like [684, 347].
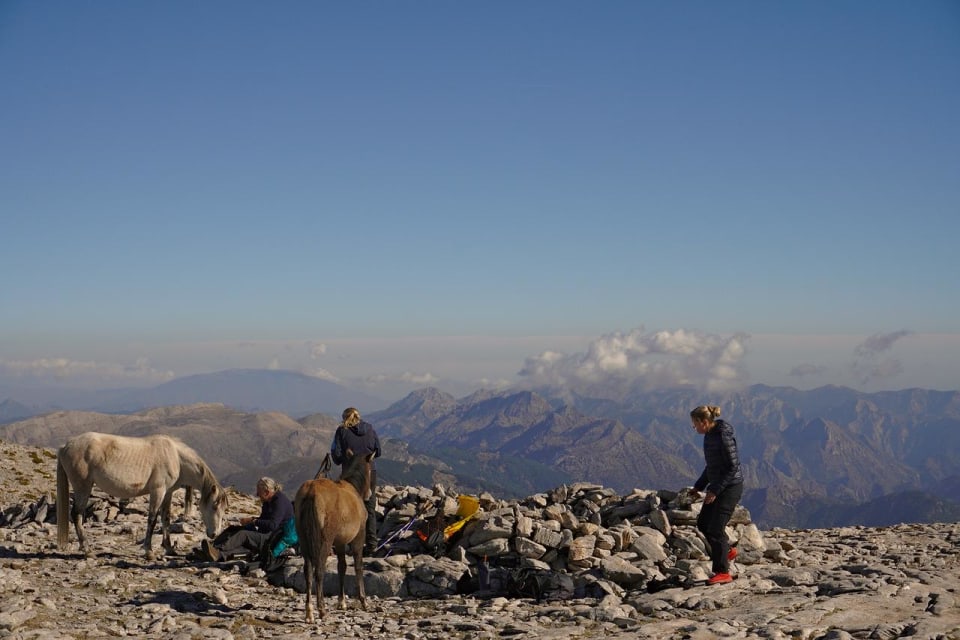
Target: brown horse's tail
[63, 505]
[309, 520]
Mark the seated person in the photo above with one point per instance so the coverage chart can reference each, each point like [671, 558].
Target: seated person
[278, 546]
[251, 534]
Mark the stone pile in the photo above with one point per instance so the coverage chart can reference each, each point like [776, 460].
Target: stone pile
[852, 582]
[607, 542]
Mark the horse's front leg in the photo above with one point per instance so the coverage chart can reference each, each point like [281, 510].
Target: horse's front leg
[188, 502]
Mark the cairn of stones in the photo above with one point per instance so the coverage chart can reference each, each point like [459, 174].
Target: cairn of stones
[606, 542]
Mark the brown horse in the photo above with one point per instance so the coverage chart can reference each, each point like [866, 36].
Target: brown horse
[126, 467]
[331, 515]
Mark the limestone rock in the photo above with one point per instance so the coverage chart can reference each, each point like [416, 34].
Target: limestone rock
[854, 582]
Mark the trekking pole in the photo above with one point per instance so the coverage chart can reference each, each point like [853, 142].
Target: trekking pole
[406, 527]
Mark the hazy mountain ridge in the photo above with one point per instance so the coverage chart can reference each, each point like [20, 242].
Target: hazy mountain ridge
[252, 390]
[831, 443]
[229, 440]
[414, 412]
[804, 453]
[525, 426]
[239, 447]
[856, 449]
[11, 411]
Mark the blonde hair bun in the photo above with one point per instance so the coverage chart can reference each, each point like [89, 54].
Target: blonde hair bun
[351, 417]
[709, 411]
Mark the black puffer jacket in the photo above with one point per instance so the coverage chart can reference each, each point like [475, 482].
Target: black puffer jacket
[274, 512]
[358, 440]
[723, 461]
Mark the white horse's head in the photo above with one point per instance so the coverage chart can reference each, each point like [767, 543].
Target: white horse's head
[213, 507]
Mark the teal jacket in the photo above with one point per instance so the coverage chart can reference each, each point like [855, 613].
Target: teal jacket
[287, 538]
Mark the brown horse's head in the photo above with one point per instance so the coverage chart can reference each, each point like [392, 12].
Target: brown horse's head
[367, 467]
[357, 471]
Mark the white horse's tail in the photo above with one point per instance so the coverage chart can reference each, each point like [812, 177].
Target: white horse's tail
[63, 505]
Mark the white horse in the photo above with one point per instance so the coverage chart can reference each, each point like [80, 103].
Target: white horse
[126, 467]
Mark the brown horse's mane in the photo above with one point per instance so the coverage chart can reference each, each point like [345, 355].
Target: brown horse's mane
[354, 473]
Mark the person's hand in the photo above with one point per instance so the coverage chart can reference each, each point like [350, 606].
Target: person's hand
[246, 521]
[710, 497]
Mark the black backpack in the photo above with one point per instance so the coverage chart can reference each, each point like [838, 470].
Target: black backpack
[540, 584]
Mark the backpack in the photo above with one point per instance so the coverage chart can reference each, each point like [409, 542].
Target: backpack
[540, 584]
[278, 546]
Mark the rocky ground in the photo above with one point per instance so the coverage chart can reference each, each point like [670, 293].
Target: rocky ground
[814, 584]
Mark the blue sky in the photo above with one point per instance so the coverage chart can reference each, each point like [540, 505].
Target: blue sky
[439, 192]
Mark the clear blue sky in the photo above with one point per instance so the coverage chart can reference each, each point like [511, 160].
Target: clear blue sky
[179, 176]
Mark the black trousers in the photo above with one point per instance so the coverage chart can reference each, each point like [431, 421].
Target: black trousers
[712, 523]
[371, 537]
[236, 540]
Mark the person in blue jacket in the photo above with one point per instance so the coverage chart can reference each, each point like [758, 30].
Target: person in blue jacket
[723, 482]
[249, 536]
[356, 437]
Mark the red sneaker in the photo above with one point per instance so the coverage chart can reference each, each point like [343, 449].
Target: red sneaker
[720, 578]
[732, 554]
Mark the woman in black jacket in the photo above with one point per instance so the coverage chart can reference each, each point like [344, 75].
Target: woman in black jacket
[249, 536]
[723, 482]
[357, 437]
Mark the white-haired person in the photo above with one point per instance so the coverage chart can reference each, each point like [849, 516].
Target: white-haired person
[722, 481]
[249, 537]
[357, 437]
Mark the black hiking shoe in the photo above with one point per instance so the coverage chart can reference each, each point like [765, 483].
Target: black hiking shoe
[211, 553]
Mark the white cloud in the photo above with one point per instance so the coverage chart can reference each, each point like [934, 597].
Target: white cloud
[274, 364]
[83, 372]
[495, 384]
[317, 349]
[868, 365]
[806, 369]
[660, 359]
[322, 374]
[405, 377]
[878, 343]
[869, 372]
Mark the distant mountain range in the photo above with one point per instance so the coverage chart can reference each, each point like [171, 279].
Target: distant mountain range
[11, 411]
[251, 390]
[826, 457]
